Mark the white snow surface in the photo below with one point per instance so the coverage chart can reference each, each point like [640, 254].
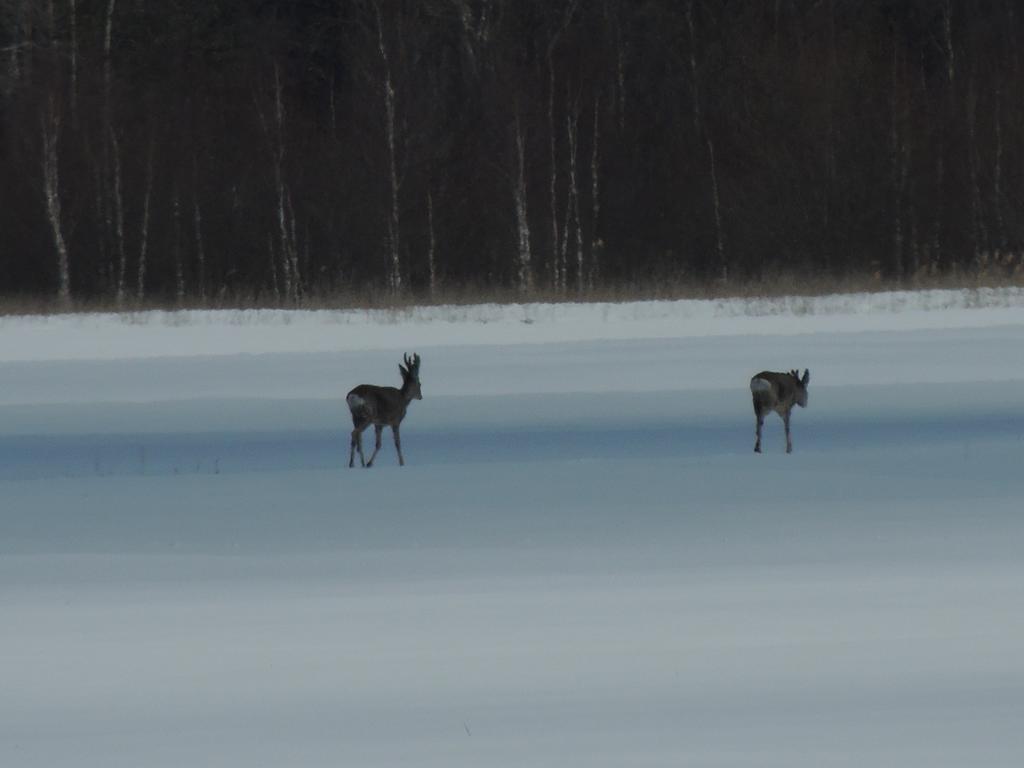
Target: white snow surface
[582, 564]
[233, 332]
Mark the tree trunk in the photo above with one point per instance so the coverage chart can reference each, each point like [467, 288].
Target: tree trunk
[118, 201]
[573, 206]
[73, 20]
[723, 265]
[595, 198]
[140, 288]
[51, 190]
[285, 216]
[701, 130]
[394, 222]
[200, 252]
[556, 275]
[997, 173]
[979, 230]
[179, 269]
[947, 28]
[525, 270]
[431, 243]
[898, 164]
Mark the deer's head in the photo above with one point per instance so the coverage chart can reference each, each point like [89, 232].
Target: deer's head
[801, 386]
[411, 377]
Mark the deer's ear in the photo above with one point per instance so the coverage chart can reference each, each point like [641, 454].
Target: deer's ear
[807, 377]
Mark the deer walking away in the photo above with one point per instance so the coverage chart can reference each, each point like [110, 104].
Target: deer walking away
[778, 392]
[382, 407]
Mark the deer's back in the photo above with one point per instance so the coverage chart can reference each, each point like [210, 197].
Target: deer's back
[380, 405]
[773, 389]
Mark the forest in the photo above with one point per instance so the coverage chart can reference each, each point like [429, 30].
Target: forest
[280, 153]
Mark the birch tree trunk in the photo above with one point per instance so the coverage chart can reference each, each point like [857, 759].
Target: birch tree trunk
[896, 165]
[557, 246]
[693, 68]
[108, 35]
[979, 230]
[701, 130]
[111, 171]
[431, 243]
[525, 270]
[947, 29]
[140, 287]
[997, 173]
[73, 21]
[51, 191]
[723, 264]
[595, 198]
[293, 254]
[179, 269]
[285, 213]
[831, 186]
[118, 205]
[618, 98]
[273, 269]
[197, 219]
[573, 206]
[394, 222]
[556, 281]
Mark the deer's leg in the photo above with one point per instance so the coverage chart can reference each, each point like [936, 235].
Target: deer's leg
[376, 447]
[760, 423]
[398, 445]
[357, 445]
[353, 441]
[789, 441]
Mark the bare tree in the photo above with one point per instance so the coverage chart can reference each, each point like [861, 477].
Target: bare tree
[394, 222]
[140, 285]
[431, 245]
[701, 130]
[73, 23]
[197, 221]
[595, 195]
[179, 267]
[525, 271]
[572, 207]
[979, 229]
[558, 262]
[118, 205]
[284, 212]
[898, 153]
[51, 190]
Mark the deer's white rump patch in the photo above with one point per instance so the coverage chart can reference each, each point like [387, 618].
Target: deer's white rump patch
[355, 402]
[760, 385]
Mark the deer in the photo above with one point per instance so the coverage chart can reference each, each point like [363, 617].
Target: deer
[778, 392]
[383, 407]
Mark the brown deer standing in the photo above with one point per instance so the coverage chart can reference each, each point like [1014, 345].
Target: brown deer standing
[778, 392]
[383, 407]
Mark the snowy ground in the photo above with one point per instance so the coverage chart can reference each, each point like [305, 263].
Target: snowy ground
[583, 563]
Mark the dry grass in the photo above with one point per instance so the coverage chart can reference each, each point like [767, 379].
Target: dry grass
[375, 298]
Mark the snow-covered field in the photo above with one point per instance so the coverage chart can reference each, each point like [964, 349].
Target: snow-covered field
[582, 564]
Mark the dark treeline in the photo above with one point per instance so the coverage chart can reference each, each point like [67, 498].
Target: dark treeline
[224, 150]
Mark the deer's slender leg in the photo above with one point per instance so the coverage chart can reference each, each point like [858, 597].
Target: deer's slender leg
[789, 441]
[760, 423]
[398, 445]
[376, 447]
[352, 445]
[357, 445]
